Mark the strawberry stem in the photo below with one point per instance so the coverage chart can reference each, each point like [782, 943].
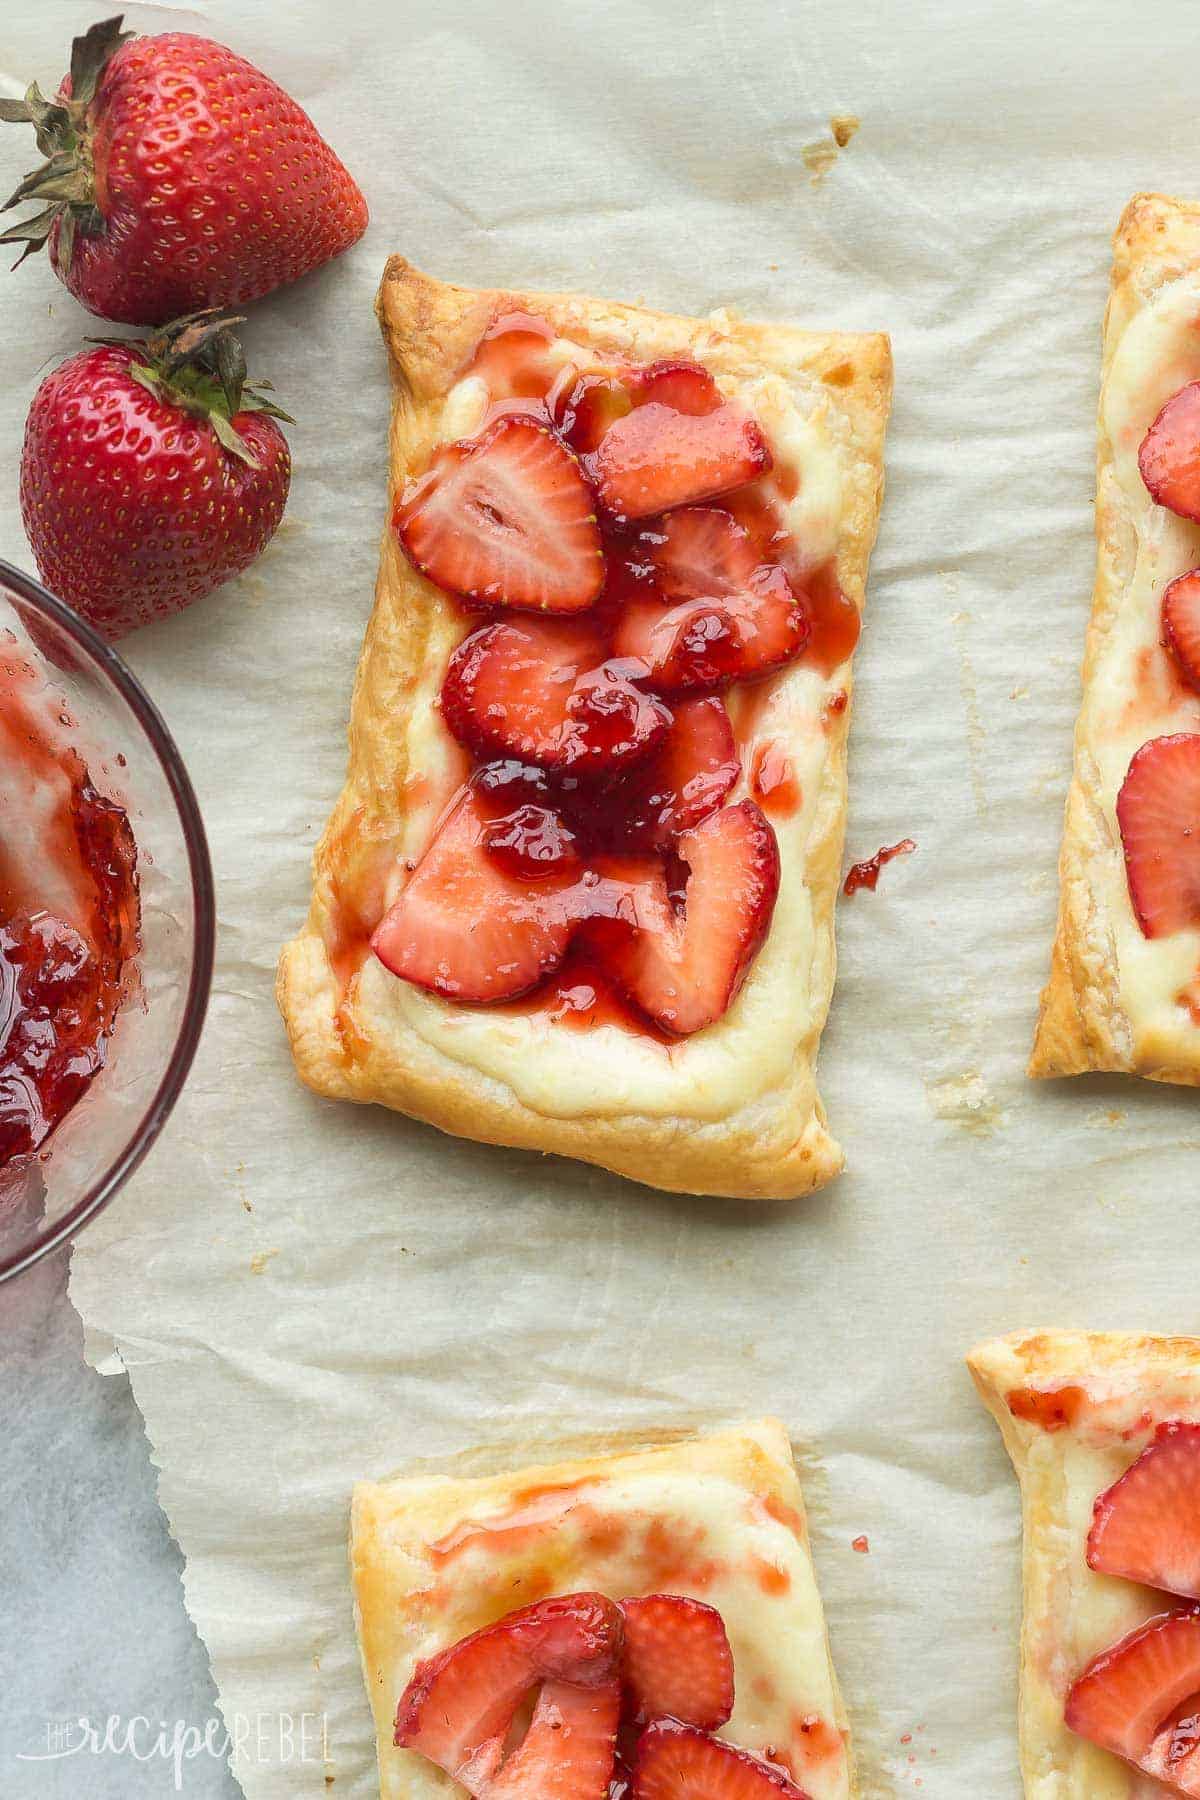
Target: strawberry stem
[197, 363]
[64, 182]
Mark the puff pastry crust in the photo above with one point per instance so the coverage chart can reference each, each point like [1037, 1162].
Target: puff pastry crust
[734, 1110]
[1111, 1002]
[718, 1516]
[1102, 1393]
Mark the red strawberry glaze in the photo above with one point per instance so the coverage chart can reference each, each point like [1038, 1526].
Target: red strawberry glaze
[773, 781]
[1054, 1409]
[1158, 686]
[662, 560]
[63, 954]
[866, 874]
[816, 1741]
[582, 995]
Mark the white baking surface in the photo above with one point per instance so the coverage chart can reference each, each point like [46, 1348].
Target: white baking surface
[303, 1292]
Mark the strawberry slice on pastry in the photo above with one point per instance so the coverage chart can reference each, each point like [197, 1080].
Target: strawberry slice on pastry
[676, 1661]
[658, 456]
[1158, 811]
[541, 691]
[465, 926]
[686, 387]
[678, 1762]
[505, 519]
[685, 962]
[1181, 625]
[568, 1750]
[459, 1706]
[729, 615]
[1169, 458]
[688, 776]
[1141, 1700]
[1146, 1527]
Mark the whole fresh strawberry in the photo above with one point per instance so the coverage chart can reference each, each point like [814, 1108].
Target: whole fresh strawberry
[178, 177]
[151, 472]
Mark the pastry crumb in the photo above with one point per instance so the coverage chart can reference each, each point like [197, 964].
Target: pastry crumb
[259, 1262]
[819, 157]
[966, 1100]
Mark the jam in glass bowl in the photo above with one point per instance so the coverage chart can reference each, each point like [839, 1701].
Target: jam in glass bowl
[107, 922]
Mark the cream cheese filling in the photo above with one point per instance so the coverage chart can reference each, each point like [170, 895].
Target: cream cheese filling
[603, 1071]
[1130, 699]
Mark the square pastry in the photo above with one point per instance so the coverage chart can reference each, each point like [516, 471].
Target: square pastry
[1103, 1429]
[1124, 987]
[715, 1521]
[578, 893]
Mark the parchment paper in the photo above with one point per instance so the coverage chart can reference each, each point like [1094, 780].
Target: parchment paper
[305, 1293]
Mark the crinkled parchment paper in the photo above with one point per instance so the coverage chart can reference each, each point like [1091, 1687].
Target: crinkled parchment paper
[305, 1293]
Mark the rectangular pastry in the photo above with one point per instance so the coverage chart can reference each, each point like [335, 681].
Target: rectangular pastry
[578, 892]
[663, 1597]
[1103, 1429]
[1124, 988]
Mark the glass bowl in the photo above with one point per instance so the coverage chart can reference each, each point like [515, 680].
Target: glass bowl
[130, 757]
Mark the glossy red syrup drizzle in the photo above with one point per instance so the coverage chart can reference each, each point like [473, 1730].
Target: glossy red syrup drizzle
[580, 995]
[514, 362]
[866, 874]
[62, 979]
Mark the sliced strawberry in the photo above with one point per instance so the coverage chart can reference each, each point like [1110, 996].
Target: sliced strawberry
[692, 648]
[678, 1762]
[702, 644]
[459, 1705]
[1158, 810]
[676, 1661]
[1181, 625]
[506, 519]
[684, 386]
[1139, 1700]
[684, 965]
[686, 778]
[465, 928]
[569, 1750]
[655, 458]
[531, 842]
[588, 407]
[733, 616]
[540, 691]
[1170, 454]
[702, 553]
[1146, 1527]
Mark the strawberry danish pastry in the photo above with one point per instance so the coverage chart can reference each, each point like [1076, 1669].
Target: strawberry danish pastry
[578, 892]
[1124, 988]
[1103, 1429]
[641, 1625]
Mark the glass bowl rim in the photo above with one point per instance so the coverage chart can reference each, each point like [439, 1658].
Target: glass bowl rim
[204, 933]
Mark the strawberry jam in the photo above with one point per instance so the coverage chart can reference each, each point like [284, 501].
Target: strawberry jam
[866, 874]
[69, 917]
[618, 540]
